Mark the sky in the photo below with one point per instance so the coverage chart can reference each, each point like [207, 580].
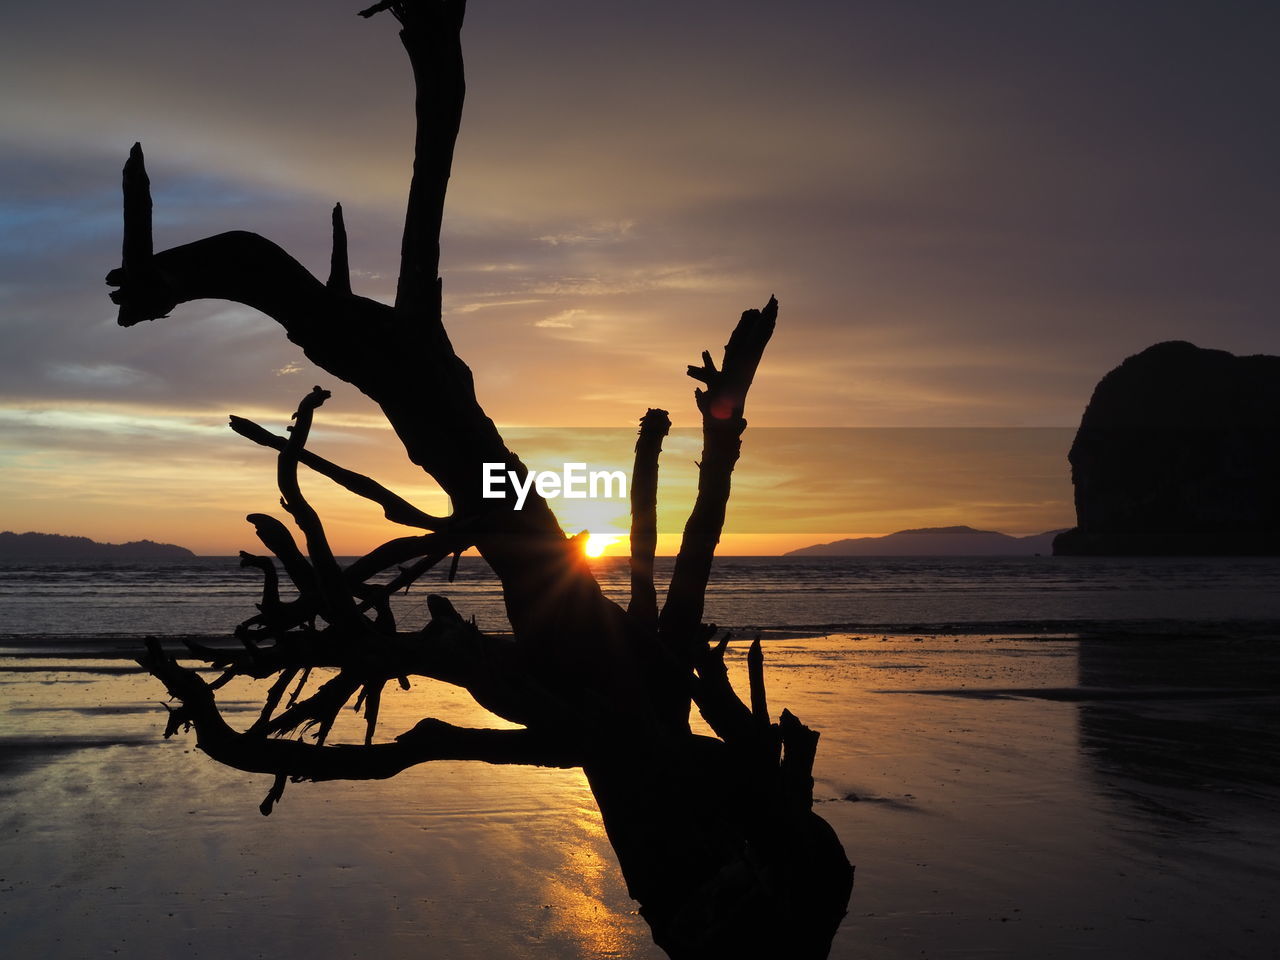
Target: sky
[969, 212]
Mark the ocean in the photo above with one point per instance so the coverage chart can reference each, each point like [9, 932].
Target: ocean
[209, 595]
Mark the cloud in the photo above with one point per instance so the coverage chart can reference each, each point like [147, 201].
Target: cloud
[593, 234]
[968, 212]
[105, 375]
[564, 320]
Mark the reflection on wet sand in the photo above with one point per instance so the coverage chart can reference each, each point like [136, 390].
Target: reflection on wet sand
[113, 839]
[1190, 743]
[1001, 796]
[1105, 797]
[578, 906]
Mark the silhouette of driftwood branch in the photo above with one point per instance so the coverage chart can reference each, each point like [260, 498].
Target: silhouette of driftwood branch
[721, 405]
[654, 426]
[339, 269]
[394, 507]
[715, 835]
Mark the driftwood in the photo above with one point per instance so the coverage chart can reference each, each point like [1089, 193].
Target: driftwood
[715, 835]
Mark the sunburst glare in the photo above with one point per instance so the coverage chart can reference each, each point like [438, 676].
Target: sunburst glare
[597, 543]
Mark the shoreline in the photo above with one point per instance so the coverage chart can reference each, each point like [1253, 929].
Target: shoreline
[126, 643]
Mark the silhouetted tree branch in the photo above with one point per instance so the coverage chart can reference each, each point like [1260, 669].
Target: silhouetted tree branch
[339, 269]
[428, 740]
[654, 426]
[721, 405]
[431, 37]
[716, 836]
[394, 507]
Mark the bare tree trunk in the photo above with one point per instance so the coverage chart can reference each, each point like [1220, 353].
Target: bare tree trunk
[716, 835]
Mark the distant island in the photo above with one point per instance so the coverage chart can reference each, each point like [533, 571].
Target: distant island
[934, 542]
[54, 546]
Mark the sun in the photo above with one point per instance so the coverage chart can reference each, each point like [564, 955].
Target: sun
[597, 543]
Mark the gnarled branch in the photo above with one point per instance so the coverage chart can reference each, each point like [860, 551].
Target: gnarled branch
[431, 36]
[654, 425]
[428, 740]
[722, 405]
[339, 267]
[394, 507]
[335, 598]
[715, 837]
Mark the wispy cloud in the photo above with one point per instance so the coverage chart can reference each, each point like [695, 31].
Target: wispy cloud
[564, 320]
[594, 234]
[105, 375]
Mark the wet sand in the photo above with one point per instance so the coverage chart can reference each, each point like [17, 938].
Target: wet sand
[1001, 796]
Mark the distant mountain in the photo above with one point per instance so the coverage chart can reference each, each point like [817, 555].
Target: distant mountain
[53, 546]
[935, 542]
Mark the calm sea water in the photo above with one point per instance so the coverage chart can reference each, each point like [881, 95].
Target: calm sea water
[209, 595]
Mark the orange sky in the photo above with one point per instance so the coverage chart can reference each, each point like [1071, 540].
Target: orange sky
[969, 213]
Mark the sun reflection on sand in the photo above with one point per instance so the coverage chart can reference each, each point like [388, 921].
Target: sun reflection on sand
[577, 892]
[528, 839]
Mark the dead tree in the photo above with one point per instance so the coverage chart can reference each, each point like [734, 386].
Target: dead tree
[716, 836]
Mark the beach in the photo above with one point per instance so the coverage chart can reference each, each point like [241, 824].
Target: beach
[1024, 795]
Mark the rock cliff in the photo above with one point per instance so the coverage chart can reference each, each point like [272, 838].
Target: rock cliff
[1178, 453]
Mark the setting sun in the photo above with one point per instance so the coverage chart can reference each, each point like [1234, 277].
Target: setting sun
[597, 543]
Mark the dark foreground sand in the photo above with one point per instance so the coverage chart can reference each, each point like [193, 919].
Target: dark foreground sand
[1001, 797]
